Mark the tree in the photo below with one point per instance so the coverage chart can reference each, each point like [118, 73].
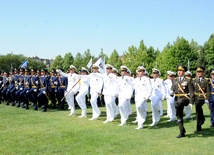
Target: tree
[67, 61]
[57, 63]
[78, 61]
[209, 51]
[115, 60]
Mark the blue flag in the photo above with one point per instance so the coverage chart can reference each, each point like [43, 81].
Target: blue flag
[25, 64]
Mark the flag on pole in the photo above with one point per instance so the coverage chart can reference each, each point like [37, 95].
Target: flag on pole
[89, 63]
[102, 67]
[11, 66]
[188, 65]
[104, 60]
[25, 64]
[47, 66]
[143, 64]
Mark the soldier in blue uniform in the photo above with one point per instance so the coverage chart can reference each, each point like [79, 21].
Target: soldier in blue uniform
[42, 96]
[23, 94]
[34, 85]
[20, 86]
[15, 88]
[10, 87]
[53, 84]
[38, 73]
[62, 87]
[211, 102]
[1, 82]
[4, 86]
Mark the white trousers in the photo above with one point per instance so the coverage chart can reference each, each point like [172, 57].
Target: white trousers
[141, 107]
[123, 104]
[70, 100]
[110, 109]
[187, 111]
[81, 101]
[129, 108]
[171, 108]
[155, 104]
[160, 107]
[96, 111]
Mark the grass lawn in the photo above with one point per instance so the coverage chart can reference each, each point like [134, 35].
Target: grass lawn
[54, 132]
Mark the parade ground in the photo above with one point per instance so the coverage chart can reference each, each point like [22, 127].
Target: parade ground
[54, 132]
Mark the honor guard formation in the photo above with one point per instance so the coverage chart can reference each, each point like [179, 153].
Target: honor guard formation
[22, 86]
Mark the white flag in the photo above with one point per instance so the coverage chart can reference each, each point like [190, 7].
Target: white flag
[102, 67]
[89, 63]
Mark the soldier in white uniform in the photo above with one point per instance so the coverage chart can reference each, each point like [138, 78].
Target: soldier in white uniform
[96, 85]
[170, 100]
[109, 92]
[125, 91]
[83, 91]
[158, 92]
[73, 79]
[143, 91]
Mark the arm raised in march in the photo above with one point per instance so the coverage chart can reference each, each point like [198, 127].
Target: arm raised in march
[62, 73]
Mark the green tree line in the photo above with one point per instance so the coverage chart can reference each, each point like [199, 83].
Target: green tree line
[180, 51]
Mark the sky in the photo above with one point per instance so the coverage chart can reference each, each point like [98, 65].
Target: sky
[47, 28]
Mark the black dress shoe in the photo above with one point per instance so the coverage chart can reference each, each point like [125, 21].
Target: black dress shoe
[12, 104]
[211, 125]
[180, 136]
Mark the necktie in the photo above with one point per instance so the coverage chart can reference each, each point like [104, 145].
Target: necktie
[180, 79]
[140, 78]
[199, 80]
[122, 77]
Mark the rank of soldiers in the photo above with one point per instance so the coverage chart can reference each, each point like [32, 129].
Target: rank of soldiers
[23, 86]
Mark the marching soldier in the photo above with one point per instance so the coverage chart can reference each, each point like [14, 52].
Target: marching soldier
[125, 91]
[38, 73]
[202, 95]
[83, 91]
[26, 85]
[53, 87]
[211, 102]
[62, 86]
[73, 86]
[20, 86]
[34, 85]
[42, 96]
[183, 89]
[4, 86]
[158, 93]
[15, 88]
[186, 108]
[10, 87]
[143, 91]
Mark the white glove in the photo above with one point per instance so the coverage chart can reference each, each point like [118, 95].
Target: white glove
[27, 83]
[44, 92]
[17, 88]
[55, 83]
[21, 88]
[0, 82]
[190, 106]
[20, 84]
[55, 91]
[36, 82]
[16, 82]
[2, 86]
[35, 90]
[57, 70]
[206, 101]
[27, 91]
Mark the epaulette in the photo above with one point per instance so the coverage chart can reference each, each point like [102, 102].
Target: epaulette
[207, 78]
[187, 77]
[193, 78]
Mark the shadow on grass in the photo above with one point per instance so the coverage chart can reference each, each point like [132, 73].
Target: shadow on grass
[207, 132]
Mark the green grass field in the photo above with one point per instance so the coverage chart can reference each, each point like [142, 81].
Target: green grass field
[54, 132]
